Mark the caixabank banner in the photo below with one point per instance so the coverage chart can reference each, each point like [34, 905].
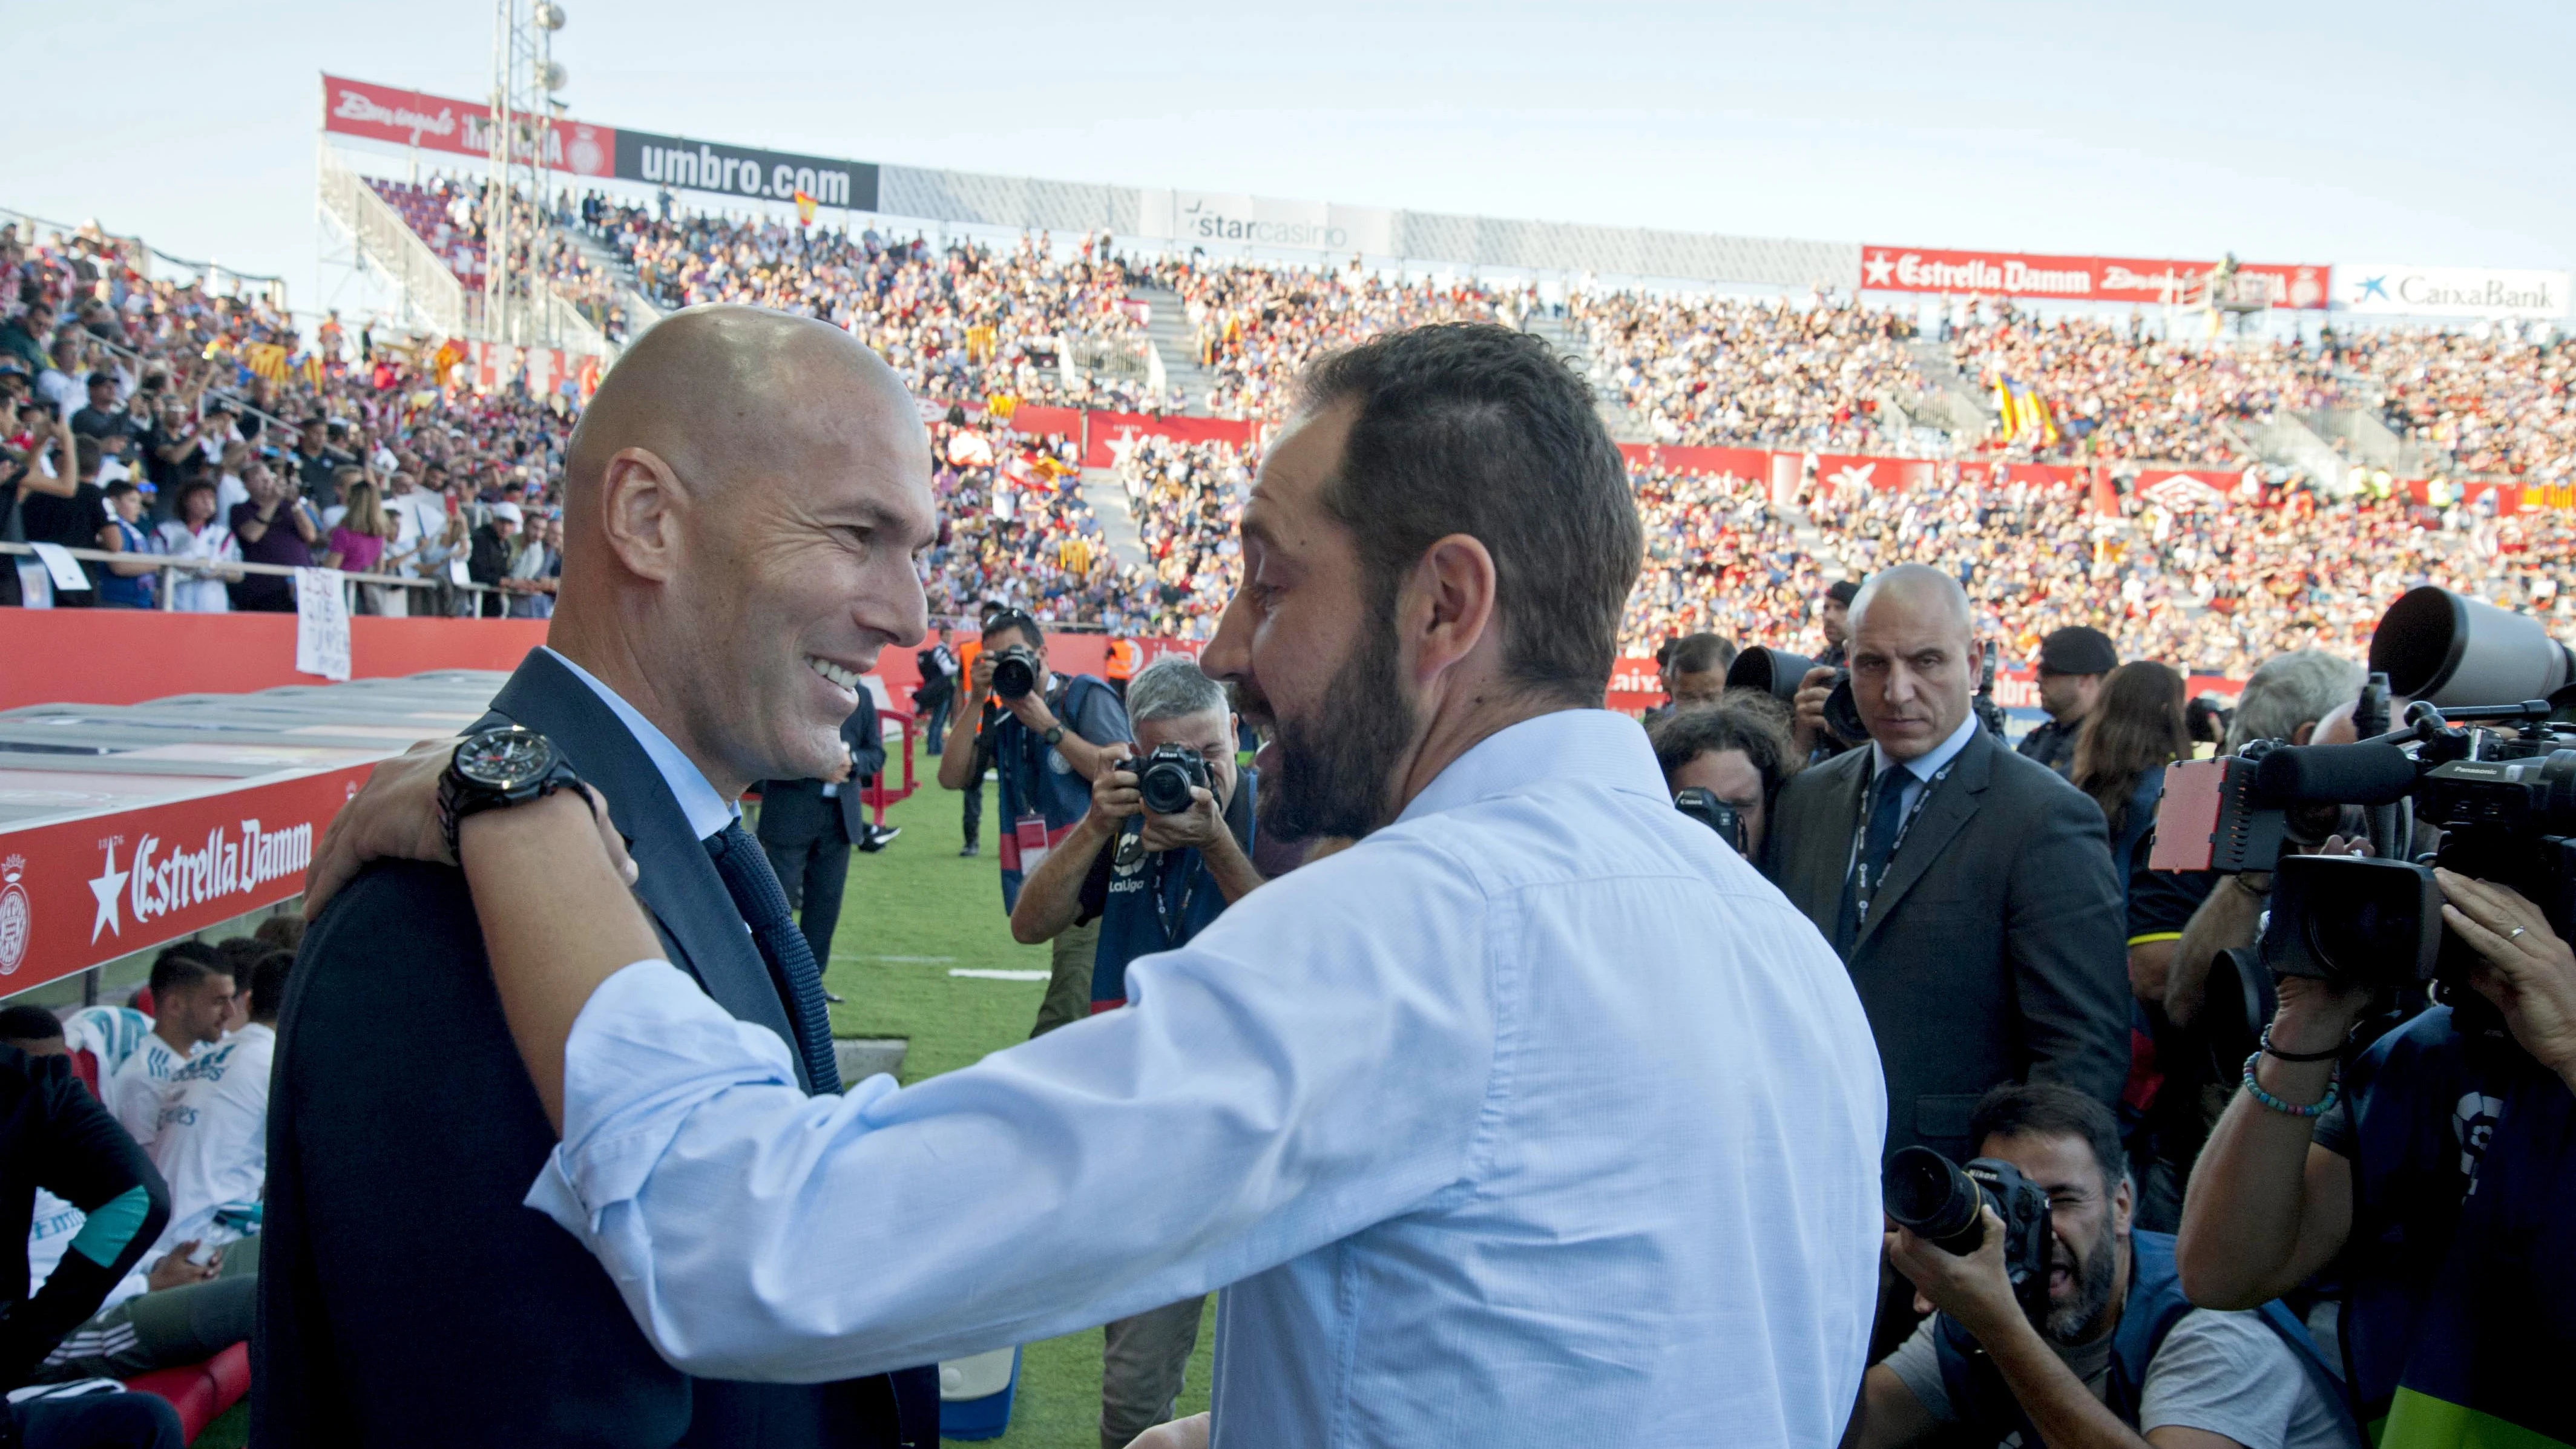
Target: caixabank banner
[77, 893]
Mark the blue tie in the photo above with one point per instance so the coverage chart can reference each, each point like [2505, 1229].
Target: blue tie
[754, 888]
[1877, 846]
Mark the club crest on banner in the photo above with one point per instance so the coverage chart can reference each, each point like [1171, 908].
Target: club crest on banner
[17, 914]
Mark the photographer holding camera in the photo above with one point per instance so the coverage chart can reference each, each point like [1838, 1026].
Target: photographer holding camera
[1050, 738]
[1164, 849]
[2110, 1352]
[2438, 1175]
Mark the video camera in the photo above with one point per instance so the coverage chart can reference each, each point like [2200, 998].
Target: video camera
[1937, 1200]
[1704, 807]
[1777, 672]
[2479, 779]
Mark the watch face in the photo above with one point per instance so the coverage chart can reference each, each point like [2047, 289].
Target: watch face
[504, 759]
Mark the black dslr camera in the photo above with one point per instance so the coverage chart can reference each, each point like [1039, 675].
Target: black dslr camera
[1166, 777]
[1016, 671]
[1716, 814]
[1937, 1200]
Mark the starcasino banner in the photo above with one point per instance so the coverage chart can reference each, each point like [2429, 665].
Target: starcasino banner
[401, 117]
[2070, 278]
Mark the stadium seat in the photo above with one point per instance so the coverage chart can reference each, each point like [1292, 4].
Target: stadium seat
[85, 1067]
[200, 1391]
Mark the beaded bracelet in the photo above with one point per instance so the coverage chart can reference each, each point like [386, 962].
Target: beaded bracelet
[2254, 1089]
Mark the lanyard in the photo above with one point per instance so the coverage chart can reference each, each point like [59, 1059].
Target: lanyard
[1163, 910]
[1862, 886]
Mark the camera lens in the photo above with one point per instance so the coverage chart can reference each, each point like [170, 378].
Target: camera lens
[1014, 676]
[1929, 1196]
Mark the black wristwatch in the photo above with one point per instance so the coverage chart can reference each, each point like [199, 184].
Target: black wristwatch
[1054, 735]
[510, 765]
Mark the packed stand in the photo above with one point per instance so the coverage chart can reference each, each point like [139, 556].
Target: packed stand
[1014, 527]
[1186, 498]
[1729, 371]
[1259, 326]
[159, 417]
[2498, 404]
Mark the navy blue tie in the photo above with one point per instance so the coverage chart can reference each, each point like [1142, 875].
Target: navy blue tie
[755, 891]
[1877, 847]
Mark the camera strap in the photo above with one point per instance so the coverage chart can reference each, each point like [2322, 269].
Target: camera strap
[1855, 870]
[1164, 910]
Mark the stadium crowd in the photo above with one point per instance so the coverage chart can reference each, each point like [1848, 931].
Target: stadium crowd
[1729, 370]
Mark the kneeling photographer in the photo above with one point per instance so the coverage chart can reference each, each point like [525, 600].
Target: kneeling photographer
[1165, 847]
[2431, 1171]
[2058, 1324]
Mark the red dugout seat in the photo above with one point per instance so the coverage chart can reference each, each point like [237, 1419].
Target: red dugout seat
[200, 1391]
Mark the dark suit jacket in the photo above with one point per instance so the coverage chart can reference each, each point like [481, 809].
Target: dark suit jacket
[792, 811]
[406, 1295]
[1995, 951]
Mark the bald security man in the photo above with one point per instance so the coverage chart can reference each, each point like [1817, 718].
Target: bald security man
[742, 503]
[1969, 890]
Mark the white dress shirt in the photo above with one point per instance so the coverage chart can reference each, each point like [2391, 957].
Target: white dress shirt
[707, 811]
[1537, 1118]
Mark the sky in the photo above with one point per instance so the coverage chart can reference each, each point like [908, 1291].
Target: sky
[2293, 133]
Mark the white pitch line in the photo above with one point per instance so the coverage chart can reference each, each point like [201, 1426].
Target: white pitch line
[981, 974]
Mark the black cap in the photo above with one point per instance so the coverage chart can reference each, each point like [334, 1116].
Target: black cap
[2078, 649]
[1844, 591]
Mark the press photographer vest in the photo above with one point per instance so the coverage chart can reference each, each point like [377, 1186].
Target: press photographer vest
[1988, 1412]
[2460, 1323]
[1134, 922]
[1043, 796]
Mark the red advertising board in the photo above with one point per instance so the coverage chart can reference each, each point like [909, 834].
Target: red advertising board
[1740, 462]
[2070, 278]
[1855, 470]
[1110, 434]
[2188, 490]
[2477, 496]
[76, 893]
[56, 656]
[444, 123]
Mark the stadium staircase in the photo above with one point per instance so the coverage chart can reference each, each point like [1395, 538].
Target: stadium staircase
[641, 311]
[1568, 339]
[1168, 329]
[1950, 399]
[1108, 499]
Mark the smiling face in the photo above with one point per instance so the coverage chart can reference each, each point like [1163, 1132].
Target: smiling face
[1304, 646]
[790, 566]
[2090, 1220]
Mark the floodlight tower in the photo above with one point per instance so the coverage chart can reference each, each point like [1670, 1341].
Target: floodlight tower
[525, 78]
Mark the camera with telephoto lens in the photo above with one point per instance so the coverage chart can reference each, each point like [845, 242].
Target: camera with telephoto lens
[1704, 807]
[1016, 671]
[1777, 672]
[1166, 777]
[1937, 1200]
[2479, 779]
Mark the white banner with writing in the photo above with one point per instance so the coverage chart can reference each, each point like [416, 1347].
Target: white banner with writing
[1266, 221]
[2387, 289]
[321, 624]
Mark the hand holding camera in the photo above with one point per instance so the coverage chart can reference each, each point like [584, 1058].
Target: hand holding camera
[1180, 805]
[1975, 1241]
[1114, 796]
[2524, 967]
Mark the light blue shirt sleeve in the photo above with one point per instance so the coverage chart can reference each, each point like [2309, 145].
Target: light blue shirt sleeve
[1234, 1116]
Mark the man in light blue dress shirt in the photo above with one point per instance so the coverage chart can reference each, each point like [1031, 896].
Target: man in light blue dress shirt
[1535, 1118]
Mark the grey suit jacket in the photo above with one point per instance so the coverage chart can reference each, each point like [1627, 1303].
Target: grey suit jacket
[1995, 951]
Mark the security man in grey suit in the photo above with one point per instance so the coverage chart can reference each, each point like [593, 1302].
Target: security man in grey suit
[741, 503]
[807, 827]
[1969, 890]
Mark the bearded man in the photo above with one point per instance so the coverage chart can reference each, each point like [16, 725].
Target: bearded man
[1534, 1117]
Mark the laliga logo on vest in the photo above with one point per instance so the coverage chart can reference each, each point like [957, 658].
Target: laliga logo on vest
[17, 914]
[178, 879]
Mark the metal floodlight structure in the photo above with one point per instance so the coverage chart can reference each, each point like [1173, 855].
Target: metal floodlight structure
[525, 78]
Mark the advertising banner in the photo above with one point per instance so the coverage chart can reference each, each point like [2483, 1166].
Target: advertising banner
[2196, 491]
[1206, 216]
[743, 171]
[2388, 290]
[463, 128]
[1739, 462]
[1110, 435]
[1853, 470]
[2071, 278]
[459, 127]
[76, 893]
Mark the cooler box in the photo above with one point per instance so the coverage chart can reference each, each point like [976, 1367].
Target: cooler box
[975, 1394]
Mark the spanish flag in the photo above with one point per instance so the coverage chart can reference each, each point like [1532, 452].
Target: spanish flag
[804, 209]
